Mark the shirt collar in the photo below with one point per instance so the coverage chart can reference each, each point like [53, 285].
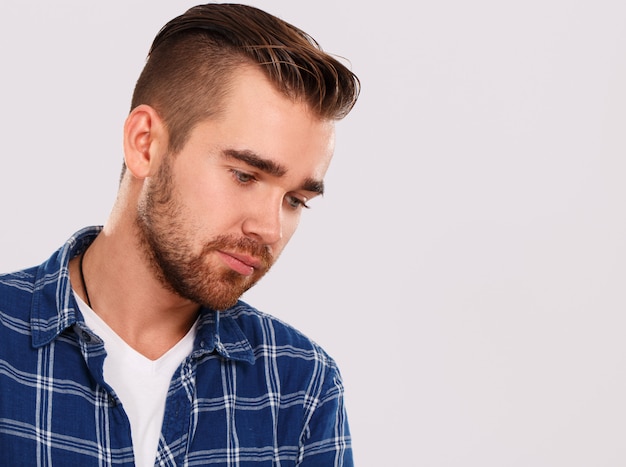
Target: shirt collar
[54, 307]
[218, 331]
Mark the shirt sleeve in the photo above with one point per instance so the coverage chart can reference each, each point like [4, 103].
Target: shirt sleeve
[326, 440]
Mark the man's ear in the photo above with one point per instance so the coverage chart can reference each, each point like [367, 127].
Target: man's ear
[145, 141]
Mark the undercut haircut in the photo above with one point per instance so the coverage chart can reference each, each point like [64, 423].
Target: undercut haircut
[192, 60]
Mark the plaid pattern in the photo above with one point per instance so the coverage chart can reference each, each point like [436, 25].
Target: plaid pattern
[253, 392]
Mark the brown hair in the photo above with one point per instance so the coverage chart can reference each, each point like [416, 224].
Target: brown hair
[192, 58]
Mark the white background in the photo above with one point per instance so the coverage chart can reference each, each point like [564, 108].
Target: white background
[467, 266]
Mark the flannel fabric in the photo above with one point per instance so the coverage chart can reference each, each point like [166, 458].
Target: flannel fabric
[254, 391]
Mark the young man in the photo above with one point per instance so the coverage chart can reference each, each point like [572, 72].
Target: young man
[129, 346]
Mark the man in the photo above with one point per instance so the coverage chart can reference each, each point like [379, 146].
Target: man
[129, 346]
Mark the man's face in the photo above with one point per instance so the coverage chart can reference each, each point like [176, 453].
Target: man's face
[216, 216]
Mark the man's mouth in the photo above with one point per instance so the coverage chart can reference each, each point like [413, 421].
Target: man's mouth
[243, 264]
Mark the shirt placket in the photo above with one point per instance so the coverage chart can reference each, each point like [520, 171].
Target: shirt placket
[111, 423]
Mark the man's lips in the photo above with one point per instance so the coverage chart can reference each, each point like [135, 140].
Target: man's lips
[243, 264]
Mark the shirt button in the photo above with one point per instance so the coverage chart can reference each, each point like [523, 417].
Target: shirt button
[112, 401]
[86, 336]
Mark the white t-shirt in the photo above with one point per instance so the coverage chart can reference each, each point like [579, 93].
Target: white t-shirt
[140, 383]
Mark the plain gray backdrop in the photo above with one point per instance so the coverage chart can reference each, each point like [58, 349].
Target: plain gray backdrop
[467, 266]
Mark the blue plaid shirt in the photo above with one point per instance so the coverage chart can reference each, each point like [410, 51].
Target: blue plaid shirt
[253, 392]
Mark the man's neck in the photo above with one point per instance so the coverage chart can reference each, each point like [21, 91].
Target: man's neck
[127, 295]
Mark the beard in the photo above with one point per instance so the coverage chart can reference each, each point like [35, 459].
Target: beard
[164, 236]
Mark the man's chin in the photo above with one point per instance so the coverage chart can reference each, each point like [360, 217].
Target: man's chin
[220, 293]
[222, 305]
[221, 302]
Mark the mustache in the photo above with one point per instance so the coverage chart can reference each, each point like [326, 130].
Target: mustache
[242, 245]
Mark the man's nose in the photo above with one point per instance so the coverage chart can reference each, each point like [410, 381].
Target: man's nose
[264, 222]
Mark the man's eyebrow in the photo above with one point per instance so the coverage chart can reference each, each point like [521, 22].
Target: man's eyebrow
[314, 186]
[254, 160]
[272, 168]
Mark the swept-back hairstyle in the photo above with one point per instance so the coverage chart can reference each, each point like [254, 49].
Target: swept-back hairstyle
[192, 60]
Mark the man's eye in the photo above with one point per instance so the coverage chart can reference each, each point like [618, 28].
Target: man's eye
[296, 202]
[242, 177]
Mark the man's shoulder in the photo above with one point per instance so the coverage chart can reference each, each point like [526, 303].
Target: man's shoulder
[251, 319]
[16, 296]
[17, 283]
[264, 330]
